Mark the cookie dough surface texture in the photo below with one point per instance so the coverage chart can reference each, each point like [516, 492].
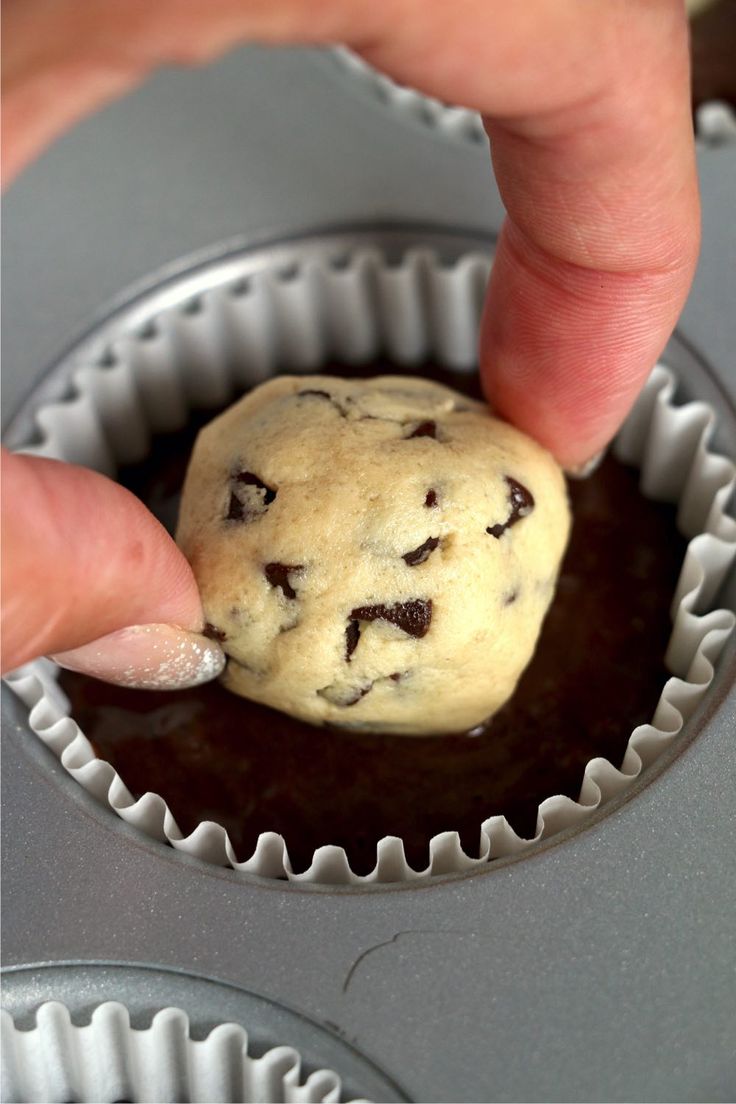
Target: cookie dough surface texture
[376, 553]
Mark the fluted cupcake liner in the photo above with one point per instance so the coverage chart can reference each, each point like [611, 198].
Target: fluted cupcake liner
[108, 1060]
[715, 123]
[352, 308]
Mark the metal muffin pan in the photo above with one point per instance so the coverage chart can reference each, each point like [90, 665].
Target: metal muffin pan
[598, 966]
[144, 990]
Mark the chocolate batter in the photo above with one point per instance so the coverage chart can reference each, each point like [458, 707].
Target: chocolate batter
[597, 673]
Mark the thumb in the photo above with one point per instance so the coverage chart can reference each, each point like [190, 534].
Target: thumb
[92, 578]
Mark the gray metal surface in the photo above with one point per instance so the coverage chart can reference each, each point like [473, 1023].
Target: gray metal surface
[600, 966]
[197, 159]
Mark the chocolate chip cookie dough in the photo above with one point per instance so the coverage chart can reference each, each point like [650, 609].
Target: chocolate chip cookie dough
[376, 553]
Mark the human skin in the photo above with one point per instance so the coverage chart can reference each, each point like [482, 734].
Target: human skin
[587, 107]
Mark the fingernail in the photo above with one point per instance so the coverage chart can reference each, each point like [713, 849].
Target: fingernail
[582, 471]
[148, 657]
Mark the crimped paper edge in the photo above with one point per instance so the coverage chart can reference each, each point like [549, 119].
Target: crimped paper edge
[715, 124]
[107, 1059]
[415, 292]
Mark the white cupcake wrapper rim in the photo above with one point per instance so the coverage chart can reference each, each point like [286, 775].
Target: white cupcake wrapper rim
[715, 120]
[297, 320]
[108, 1060]
[715, 124]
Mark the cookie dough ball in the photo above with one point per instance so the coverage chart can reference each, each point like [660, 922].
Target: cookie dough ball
[376, 553]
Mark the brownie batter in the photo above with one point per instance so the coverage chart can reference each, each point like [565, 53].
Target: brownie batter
[597, 673]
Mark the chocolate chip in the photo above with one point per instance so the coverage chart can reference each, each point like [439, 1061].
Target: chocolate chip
[352, 636]
[344, 696]
[246, 507]
[397, 676]
[422, 553]
[431, 499]
[521, 499]
[412, 617]
[510, 598]
[213, 633]
[424, 429]
[522, 503]
[278, 576]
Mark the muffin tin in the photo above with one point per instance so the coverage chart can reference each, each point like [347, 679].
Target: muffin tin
[87, 1045]
[556, 975]
[351, 297]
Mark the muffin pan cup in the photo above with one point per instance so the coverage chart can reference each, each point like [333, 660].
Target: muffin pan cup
[107, 1059]
[297, 313]
[104, 1032]
[598, 966]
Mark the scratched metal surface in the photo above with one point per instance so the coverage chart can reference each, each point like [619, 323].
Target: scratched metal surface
[600, 967]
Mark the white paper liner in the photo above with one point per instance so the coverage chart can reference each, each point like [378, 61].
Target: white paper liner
[715, 123]
[237, 334]
[108, 1060]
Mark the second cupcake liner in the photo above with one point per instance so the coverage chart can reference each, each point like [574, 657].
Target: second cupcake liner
[109, 1060]
[352, 308]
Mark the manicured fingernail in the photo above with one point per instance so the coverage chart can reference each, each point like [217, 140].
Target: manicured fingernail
[582, 471]
[148, 657]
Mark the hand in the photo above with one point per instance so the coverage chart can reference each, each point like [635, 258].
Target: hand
[83, 559]
[587, 106]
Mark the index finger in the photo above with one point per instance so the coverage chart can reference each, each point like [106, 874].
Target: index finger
[596, 259]
[587, 108]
